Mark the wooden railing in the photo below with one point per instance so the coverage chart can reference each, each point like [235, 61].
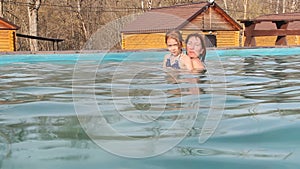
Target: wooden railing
[55, 41]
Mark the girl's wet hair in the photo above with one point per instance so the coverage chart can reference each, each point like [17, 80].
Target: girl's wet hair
[174, 34]
[197, 35]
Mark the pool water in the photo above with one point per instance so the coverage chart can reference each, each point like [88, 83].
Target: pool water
[53, 107]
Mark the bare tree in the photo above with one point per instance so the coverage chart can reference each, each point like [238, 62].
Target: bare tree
[1, 8]
[76, 21]
[277, 6]
[142, 5]
[33, 9]
[82, 21]
[158, 4]
[293, 6]
[225, 5]
[283, 6]
[245, 8]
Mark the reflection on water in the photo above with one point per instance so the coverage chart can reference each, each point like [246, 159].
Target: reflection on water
[39, 125]
[139, 107]
[191, 151]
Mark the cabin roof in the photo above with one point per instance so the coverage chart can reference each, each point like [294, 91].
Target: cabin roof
[6, 25]
[280, 17]
[172, 17]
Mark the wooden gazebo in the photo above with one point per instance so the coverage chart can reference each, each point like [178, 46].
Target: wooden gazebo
[275, 29]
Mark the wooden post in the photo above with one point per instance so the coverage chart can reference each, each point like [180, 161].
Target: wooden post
[14, 41]
[281, 40]
[249, 28]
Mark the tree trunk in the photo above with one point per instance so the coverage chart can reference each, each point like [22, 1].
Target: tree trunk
[149, 4]
[245, 8]
[283, 6]
[277, 6]
[142, 5]
[1, 8]
[293, 7]
[33, 9]
[225, 5]
[80, 17]
[158, 4]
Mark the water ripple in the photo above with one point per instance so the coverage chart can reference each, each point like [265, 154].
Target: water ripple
[5, 146]
[261, 116]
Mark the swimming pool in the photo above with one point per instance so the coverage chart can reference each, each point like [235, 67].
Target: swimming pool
[53, 106]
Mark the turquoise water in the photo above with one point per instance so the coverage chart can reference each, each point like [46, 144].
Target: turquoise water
[46, 100]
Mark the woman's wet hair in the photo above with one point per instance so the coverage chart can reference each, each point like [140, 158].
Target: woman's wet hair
[197, 35]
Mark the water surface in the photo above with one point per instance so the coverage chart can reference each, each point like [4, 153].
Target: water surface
[39, 127]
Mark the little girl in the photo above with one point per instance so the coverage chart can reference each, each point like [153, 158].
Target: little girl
[176, 59]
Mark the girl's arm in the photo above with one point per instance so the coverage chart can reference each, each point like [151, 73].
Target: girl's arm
[165, 61]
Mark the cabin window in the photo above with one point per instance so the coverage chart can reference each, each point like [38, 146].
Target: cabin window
[211, 40]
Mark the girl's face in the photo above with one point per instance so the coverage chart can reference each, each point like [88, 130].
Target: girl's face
[173, 46]
[194, 47]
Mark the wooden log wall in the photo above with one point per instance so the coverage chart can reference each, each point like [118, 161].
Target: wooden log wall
[7, 40]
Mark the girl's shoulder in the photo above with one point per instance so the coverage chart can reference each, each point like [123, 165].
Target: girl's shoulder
[167, 56]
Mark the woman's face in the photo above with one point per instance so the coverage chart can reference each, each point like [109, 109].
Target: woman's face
[173, 46]
[194, 47]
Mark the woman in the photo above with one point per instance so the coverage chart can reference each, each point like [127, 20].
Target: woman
[196, 50]
[176, 59]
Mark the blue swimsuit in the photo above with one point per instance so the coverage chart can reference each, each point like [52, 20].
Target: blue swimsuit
[174, 65]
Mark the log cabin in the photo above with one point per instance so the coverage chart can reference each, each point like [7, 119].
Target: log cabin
[148, 30]
[7, 35]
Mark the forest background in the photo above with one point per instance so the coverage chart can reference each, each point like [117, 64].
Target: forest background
[76, 21]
